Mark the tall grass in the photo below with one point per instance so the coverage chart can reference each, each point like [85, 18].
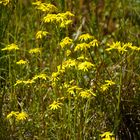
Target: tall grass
[72, 75]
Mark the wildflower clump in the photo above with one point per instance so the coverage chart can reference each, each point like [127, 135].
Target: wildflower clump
[44, 7]
[122, 47]
[117, 46]
[4, 2]
[21, 62]
[24, 82]
[40, 76]
[85, 37]
[82, 46]
[85, 66]
[55, 105]
[86, 93]
[41, 34]
[107, 136]
[66, 42]
[19, 116]
[109, 83]
[61, 19]
[73, 90]
[35, 51]
[11, 47]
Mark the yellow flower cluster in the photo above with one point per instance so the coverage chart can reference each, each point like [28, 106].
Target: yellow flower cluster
[109, 83]
[35, 51]
[4, 2]
[19, 116]
[55, 105]
[66, 42]
[62, 19]
[107, 136]
[85, 66]
[122, 47]
[86, 93]
[10, 47]
[40, 76]
[74, 89]
[85, 46]
[31, 81]
[44, 7]
[85, 37]
[41, 34]
[21, 62]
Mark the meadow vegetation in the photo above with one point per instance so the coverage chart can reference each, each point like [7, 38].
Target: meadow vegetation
[69, 70]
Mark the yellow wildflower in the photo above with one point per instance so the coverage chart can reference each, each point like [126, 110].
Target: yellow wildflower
[40, 34]
[29, 81]
[55, 105]
[118, 46]
[104, 87]
[86, 94]
[62, 19]
[18, 82]
[21, 62]
[85, 37]
[55, 76]
[4, 2]
[68, 52]
[40, 76]
[10, 47]
[109, 82]
[82, 57]
[94, 43]
[72, 90]
[35, 51]
[107, 136]
[65, 42]
[69, 63]
[21, 116]
[44, 7]
[85, 66]
[50, 18]
[65, 23]
[82, 46]
[12, 114]
[129, 45]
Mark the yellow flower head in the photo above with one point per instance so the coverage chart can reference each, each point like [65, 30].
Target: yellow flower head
[29, 81]
[4, 2]
[86, 93]
[10, 47]
[21, 62]
[107, 136]
[109, 82]
[65, 42]
[41, 34]
[12, 114]
[82, 46]
[44, 7]
[55, 105]
[69, 63]
[85, 37]
[21, 116]
[85, 66]
[94, 43]
[68, 52]
[62, 19]
[35, 51]
[117, 46]
[40, 76]
[74, 89]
